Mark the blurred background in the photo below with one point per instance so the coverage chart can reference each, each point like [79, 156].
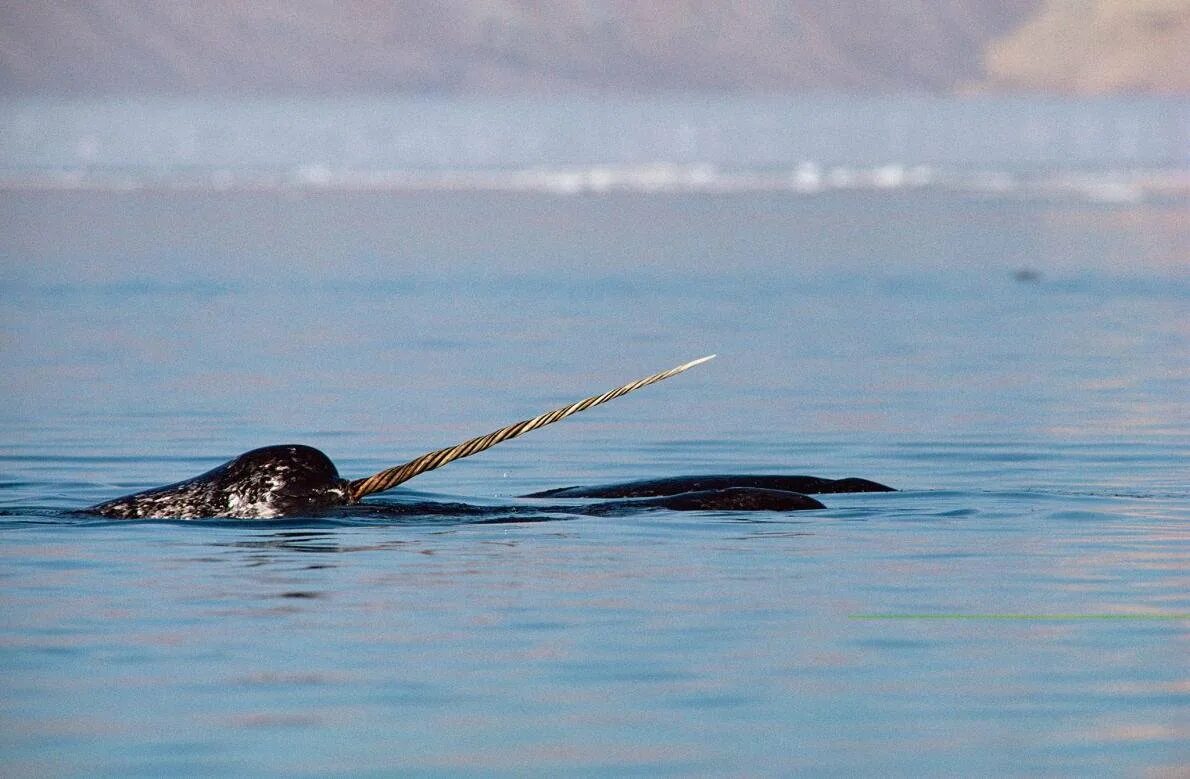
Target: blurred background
[594, 94]
[464, 46]
[225, 209]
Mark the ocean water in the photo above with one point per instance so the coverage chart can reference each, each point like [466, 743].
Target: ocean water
[1020, 607]
[150, 135]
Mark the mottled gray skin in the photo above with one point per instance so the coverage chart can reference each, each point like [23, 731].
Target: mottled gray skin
[274, 481]
[296, 480]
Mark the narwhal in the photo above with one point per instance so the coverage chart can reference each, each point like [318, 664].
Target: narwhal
[297, 480]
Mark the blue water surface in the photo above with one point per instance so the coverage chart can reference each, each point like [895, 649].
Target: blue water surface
[1020, 607]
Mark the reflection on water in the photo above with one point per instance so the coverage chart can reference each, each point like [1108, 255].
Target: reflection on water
[1039, 432]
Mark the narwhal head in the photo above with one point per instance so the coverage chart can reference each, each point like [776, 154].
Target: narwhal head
[272, 481]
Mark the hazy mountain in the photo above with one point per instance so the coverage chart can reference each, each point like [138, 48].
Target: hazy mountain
[325, 46]
[1098, 46]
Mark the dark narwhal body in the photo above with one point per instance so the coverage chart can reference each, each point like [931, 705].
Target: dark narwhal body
[808, 485]
[297, 480]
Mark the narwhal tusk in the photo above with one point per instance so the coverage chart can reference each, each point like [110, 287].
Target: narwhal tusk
[387, 479]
